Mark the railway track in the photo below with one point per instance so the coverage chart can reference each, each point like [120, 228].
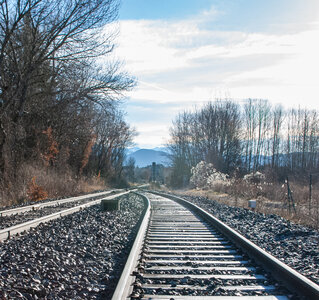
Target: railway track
[36, 206]
[182, 252]
[12, 217]
[22, 226]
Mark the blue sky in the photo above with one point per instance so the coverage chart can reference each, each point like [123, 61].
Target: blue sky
[186, 52]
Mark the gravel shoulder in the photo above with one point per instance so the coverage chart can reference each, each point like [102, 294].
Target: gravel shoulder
[295, 245]
[79, 256]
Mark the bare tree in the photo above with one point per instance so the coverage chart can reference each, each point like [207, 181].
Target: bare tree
[250, 125]
[219, 134]
[181, 151]
[113, 136]
[210, 134]
[277, 126]
[251, 139]
[129, 169]
[47, 67]
[263, 112]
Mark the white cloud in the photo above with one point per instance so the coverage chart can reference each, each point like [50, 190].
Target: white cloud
[184, 62]
[151, 134]
[143, 46]
[152, 51]
[293, 80]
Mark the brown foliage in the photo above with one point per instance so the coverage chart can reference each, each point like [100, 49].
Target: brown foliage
[87, 152]
[52, 151]
[36, 192]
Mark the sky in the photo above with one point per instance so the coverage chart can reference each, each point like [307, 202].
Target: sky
[185, 53]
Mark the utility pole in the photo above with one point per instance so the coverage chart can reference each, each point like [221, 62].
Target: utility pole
[291, 202]
[153, 172]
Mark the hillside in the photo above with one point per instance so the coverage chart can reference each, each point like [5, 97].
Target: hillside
[145, 157]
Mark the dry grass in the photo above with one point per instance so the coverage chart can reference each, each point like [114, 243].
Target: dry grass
[92, 184]
[271, 199]
[52, 183]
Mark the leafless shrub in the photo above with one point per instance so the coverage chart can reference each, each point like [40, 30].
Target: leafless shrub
[204, 175]
[256, 177]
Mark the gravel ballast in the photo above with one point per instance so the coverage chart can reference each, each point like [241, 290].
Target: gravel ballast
[295, 245]
[12, 220]
[79, 256]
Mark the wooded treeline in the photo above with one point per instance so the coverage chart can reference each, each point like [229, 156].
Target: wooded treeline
[58, 108]
[240, 139]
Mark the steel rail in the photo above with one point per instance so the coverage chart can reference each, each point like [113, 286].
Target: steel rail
[124, 286]
[292, 279]
[26, 208]
[6, 233]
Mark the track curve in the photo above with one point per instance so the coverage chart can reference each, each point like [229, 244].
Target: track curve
[186, 254]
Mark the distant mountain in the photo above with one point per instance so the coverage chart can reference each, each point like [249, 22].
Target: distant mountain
[131, 150]
[145, 157]
[164, 149]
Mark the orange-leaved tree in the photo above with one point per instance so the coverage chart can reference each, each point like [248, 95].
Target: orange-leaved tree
[36, 192]
[52, 150]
